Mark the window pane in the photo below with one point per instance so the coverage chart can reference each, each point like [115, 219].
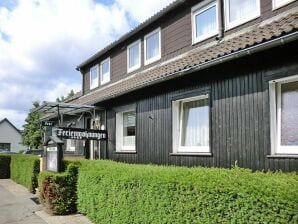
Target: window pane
[195, 123]
[206, 22]
[94, 76]
[4, 146]
[134, 55]
[289, 114]
[105, 71]
[152, 46]
[241, 8]
[129, 128]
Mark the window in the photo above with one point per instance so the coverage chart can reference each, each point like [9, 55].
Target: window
[105, 71]
[241, 11]
[94, 77]
[204, 22]
[284, 115]
[4, 146]
[126, 131]
[134, 56]
[191, 125]
[152, 46]
[70, 145]
[279, 3]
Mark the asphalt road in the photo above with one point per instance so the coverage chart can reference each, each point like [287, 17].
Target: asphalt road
[18, 209]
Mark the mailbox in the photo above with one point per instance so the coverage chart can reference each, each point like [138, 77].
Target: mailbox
[54, 154]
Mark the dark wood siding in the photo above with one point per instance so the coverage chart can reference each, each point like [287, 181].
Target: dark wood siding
[176, 38]
[239, 114]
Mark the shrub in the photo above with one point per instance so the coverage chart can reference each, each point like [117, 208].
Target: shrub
[5, 166]
[24, 170]
[110, 192]
[58, 190]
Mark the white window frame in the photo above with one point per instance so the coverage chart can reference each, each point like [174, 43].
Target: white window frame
[275, 117]
[92, 85]
[177, 115]
[70, 148]
[157, 57]
[198, 9]
[119, 133]
[276, 5]
[242, 20]
[133, 68]
[102, 82]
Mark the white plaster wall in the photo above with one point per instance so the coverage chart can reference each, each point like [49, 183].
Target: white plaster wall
[8, 134]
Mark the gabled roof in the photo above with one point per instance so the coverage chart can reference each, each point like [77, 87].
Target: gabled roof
[11, 124]
[141, 26]
[258, 37]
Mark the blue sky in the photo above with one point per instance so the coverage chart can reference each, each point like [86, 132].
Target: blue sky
[42, 41]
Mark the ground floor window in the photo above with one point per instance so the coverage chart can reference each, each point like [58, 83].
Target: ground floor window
[70, 145]
[191, 125]
[4, 146]
[126, 131]
[284, 115]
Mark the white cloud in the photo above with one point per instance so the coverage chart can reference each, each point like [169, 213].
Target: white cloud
[42, 41]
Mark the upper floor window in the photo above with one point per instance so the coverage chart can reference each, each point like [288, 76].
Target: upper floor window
[284, 115]
[204, 21]
[134, 56]
[152, 46]
[105, 71]
[191, 125]
[279, 3]
[94, 77]
[241, 11]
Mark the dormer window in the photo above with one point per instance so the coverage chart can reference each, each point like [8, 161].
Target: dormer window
[241, 11]
[204, 21]
[105, 71]
[279, 3]
[94, 77]
[152, 46]
[134, 56]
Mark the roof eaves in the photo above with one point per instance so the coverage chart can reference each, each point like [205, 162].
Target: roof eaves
[11, 124]
[129, 34]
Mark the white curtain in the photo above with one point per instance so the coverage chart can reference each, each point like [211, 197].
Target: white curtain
[195, 123]
[129, 123]
[241, 8]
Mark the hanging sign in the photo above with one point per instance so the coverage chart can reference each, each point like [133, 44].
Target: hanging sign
[47, 123]
[81, 134]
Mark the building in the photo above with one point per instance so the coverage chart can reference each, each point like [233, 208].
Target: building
[201, 83]
[10, 137]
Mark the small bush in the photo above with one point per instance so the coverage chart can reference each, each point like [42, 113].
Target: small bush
[5, 166]
[24, 170]
[110, 192]
[58, 190]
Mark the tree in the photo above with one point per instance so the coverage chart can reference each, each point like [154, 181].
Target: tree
[32, 133]
[62, 98]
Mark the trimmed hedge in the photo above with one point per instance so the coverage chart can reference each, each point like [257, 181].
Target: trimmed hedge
[110, 192]
[4, 166]
[58, 190]
[24, 170]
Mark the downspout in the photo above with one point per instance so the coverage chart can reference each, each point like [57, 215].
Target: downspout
[107, 141]
[220, 20]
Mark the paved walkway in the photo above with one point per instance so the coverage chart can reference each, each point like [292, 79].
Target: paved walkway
[18, 206]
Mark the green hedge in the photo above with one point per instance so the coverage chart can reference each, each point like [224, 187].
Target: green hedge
[4, 166]
[110, 192]
[58, 191]
[24, 170]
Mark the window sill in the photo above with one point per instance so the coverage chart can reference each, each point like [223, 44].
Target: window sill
[284, 156]
[126, 152]
[191, 154]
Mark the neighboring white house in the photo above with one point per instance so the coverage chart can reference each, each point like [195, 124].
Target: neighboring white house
[10, 137]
